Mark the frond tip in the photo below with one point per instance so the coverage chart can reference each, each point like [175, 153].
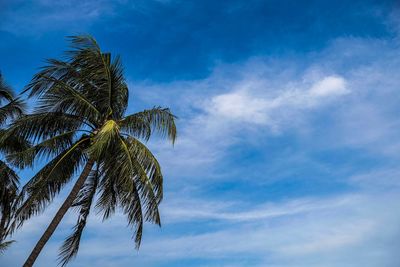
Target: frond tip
[157, 119]
[5, 245]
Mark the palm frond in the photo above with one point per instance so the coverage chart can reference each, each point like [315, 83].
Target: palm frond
[11, 110]
[119, 92]
[48, 148]
[5, 245]
[124, 165]
[11, 142]
[132, 207]
[41, 189]
[9, 179]
[65, 97]
[42, 126]
[149, 163]
[95, 66]
[145, 187]
[6, 91]
[64, 71]
[142, 123]
[83, 42]
[8, 191]
[118, 186]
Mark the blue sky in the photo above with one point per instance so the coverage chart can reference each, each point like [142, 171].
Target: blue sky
[288, 145]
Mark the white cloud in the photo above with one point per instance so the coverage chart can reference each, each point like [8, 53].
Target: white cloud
[329, 86]
[252, 105]
[239, 107]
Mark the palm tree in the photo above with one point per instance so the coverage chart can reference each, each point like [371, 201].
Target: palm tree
[79, 125]
[11, 108]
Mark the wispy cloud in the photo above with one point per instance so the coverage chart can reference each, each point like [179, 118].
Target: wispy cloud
[244, 105]
[199, 210]
[33, 18]
[314, 232]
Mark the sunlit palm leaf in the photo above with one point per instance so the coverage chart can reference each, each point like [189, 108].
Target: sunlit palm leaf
[158, 119]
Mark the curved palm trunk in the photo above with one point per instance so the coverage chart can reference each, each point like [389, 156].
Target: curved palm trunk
[59, 215]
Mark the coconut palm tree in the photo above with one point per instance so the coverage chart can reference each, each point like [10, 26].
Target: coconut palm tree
[79, 126]
[11, 108]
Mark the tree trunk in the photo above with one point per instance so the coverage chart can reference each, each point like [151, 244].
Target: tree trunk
[59, 215]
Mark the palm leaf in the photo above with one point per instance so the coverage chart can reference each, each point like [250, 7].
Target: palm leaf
[12, 142]
[64, 97]
[6, 91]
[48, 182]
[159, 119]
[42, 126]
[5, 245]
[48, 148]
[8, 190]
[11, 110]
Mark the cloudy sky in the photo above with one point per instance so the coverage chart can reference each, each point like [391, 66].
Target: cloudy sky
[289, 130]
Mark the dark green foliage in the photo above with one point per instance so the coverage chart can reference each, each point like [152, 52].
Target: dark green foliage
[11, 107]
